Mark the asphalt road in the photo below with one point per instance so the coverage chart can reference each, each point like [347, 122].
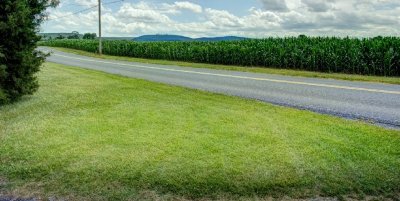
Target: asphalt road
[374, 102]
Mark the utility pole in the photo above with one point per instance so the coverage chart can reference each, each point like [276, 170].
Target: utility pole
[100, 45]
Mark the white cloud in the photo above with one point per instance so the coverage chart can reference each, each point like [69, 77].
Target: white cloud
[319, 5]
[87, 3]
[275, 5]
[184, 5]
[141, 12]
[223, 18]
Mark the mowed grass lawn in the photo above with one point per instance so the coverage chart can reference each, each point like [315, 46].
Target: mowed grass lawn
[88, 135]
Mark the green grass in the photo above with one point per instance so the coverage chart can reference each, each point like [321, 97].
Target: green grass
[91, 135]
[339, 76]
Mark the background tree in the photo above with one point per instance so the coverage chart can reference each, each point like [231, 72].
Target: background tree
[59, 37]
[74, 35]
[89, 36]
[19, 24]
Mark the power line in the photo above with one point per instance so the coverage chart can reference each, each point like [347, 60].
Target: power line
[112, 2]
[81, 11]
[84, 10]
[71, 4]
[79, 4]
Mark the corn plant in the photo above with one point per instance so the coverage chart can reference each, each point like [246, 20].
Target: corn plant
[367, 56]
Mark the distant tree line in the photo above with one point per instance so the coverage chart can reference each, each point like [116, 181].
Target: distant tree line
[73, 35]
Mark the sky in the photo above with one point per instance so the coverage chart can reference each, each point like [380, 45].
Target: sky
[247, 18]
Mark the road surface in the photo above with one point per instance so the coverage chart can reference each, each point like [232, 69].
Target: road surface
[374, 102]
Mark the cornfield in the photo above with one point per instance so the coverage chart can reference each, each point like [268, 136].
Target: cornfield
[368, 56]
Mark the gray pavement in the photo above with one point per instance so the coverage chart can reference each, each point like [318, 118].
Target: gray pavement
[374, 102]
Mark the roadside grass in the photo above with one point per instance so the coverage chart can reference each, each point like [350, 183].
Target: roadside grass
[338, 76]
[88, 135]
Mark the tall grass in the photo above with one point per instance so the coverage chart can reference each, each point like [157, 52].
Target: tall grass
[368, 56]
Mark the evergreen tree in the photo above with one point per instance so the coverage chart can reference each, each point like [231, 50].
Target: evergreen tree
[19, 59]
